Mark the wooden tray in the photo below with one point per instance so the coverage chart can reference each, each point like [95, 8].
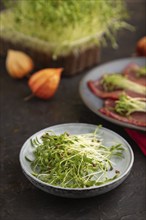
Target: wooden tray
[39, 51]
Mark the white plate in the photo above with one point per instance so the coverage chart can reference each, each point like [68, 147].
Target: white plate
[93, 102]
[124, 165]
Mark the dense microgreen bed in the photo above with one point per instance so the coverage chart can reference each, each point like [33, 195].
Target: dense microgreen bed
[67, 25]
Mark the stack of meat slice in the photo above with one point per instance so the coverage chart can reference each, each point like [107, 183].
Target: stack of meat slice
[130, 72]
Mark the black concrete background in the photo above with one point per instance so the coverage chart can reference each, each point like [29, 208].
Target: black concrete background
[20, 200]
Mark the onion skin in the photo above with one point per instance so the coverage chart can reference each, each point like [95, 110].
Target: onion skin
[141, 47]
[45, 82]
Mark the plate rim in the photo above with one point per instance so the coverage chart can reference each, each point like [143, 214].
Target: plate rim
[120, 178]
[82, 84]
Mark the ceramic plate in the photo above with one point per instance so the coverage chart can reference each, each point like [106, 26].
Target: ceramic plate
[94, 103]
[109, 137]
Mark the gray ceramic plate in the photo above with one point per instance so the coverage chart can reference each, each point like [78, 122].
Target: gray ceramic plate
[94, 103]
[124, 165]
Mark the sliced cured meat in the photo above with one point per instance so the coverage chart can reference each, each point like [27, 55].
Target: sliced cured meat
[136, 118]
[97, 89]
[131, 73]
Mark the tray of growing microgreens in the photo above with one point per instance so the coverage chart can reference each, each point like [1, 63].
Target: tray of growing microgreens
[76, 160]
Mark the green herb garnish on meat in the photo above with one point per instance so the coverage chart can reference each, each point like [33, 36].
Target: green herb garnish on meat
[141, 72]
[126, 105]
[113, 82]
[74, 161]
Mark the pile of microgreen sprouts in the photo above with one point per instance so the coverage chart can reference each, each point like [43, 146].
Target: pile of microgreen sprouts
[67, 25]
[74, 161]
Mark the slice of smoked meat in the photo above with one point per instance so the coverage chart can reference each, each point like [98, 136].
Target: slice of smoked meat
[131, 72]
[136, 118]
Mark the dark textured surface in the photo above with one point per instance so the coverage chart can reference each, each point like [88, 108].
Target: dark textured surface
[20, 200]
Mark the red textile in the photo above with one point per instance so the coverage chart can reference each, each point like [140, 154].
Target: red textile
[139, 138]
